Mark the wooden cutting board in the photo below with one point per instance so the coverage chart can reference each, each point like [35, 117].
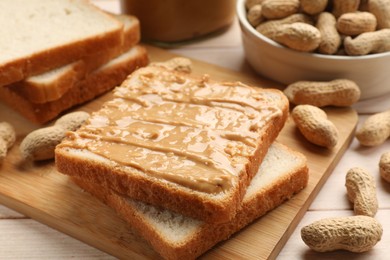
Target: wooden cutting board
[40, 192]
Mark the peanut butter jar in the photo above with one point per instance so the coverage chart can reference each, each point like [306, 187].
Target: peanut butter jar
[173, 21]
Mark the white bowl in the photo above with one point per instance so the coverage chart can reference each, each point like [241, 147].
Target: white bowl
[272, 60]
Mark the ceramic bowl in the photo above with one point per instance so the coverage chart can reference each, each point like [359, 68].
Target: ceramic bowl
[283, 65]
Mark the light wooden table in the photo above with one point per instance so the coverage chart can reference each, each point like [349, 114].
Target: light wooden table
[22, 237]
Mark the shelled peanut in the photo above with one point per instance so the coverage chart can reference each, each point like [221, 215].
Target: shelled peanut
[352, 24]
[276, 9]
[375, 130]
[298, 36]
[359, 233]
[268, 27]
[338, 92]
[327, 25]
[7, 139]
[338, 27]
[314, 125]
[353, 233]
[361, 191]
[313, 7]
[40, 144]
[384, 166]
[344, 6]
[381, 10]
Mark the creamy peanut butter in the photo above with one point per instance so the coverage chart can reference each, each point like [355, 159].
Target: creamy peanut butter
[195, 133]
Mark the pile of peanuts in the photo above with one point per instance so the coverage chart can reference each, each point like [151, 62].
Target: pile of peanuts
[310, 96]
[334, 27]
[357, 233]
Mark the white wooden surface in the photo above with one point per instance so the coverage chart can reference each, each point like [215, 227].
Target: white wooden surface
[21, 237]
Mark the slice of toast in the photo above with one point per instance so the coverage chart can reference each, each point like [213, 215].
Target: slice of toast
[101, 80]
[183, 142]
[52, 84]
[283, 173]
[39, 35]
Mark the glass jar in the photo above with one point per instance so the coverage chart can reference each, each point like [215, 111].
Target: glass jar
[170, 21]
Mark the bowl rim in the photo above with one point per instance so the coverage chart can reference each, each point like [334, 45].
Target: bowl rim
[241, 13]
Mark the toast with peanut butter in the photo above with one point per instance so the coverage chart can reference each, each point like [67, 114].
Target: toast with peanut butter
[182, 142]
[282, 174]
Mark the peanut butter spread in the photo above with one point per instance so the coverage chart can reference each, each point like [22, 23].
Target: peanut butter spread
[196, 133]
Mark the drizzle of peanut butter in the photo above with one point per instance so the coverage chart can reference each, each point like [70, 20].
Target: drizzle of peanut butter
[195, 133]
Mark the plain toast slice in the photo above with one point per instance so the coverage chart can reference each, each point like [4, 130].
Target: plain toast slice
[39, 35]
[51, 85]
[282, 174]
[98, 82]
[186, 143]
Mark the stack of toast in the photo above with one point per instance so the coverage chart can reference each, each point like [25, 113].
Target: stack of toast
[58, 54]
[187, 161]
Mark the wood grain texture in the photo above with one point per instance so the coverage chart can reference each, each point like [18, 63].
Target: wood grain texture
[39, 191]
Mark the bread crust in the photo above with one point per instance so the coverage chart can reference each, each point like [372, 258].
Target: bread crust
[177, 198]
[207, 234]
[95, 84]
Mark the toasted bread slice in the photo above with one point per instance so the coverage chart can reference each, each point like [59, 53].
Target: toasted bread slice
[51, 85]
[39, 35]
[179, 141]
[101, 80]
[283, 173]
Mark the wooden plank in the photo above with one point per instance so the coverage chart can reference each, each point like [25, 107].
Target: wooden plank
[39, 191]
